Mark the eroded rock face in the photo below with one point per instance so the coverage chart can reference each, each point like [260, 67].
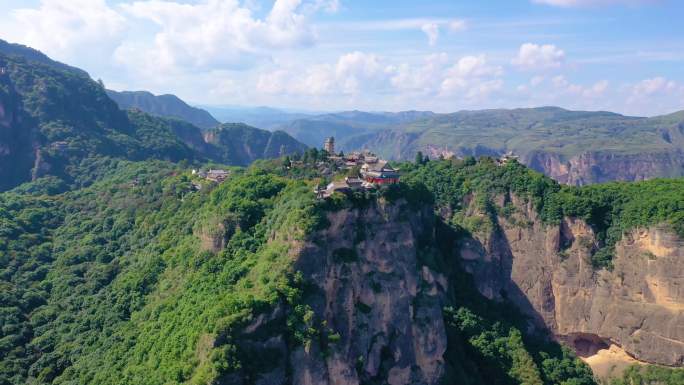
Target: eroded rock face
[386, 309]
[546, 270]
[16, 138]
[365, 284]
[587, 168]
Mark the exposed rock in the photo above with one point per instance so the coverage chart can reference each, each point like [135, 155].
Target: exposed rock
[587, 168]
[386, 309]
[366, 285]
[547, 271]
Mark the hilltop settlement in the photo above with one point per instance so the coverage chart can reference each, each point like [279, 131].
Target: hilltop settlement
[367, 171]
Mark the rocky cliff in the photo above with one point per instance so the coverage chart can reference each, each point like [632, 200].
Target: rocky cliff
[367, 287]
[546, 271]
[599, 167]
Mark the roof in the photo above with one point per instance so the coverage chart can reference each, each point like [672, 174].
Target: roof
[338, 185]
[380, 166]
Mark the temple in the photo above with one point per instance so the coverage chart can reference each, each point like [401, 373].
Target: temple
[379, 173]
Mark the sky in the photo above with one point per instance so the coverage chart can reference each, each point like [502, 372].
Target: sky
[625, 56]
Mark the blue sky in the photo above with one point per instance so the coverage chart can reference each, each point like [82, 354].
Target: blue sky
[620, 55]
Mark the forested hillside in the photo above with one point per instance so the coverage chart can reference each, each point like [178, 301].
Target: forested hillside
[573, 147]
[122, 282]
[141, 279]
[55, 120]
[169, 106]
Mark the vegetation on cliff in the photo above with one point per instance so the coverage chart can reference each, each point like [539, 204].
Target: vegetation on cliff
[54, 118]
[112, 283]
[610, 208]
[650, 375]
[168, 106]
[140, 278]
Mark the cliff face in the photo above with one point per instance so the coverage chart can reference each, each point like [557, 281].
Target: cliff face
[16, 137]
[591, 167]
[163, 105]
[546, 271]
[367, 287]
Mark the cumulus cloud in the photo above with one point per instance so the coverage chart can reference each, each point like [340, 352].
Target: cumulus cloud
[424, 78]
[67, 29]
[359, 73]
[431, 30]
[472, 77]
[562, 86]
[221, 33]
[353, 73]
[534, 56]
[648, 87]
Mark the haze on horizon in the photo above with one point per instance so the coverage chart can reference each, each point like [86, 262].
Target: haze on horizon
[619, 55]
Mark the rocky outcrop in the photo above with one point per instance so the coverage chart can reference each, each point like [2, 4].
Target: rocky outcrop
[387, 310]
[16, 136]
[595, 167]
[366, 286]
[546, 270]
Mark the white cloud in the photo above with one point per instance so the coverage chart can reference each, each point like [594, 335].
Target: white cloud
[67, 29]
[357, 70]
[425, 78]
[368, 75]
[352, 74]
[472, 77]
[648, 87]
[539, 57]
[458, 25]
[563, 86]
[589, 3]
[221, 33]
[431, 30]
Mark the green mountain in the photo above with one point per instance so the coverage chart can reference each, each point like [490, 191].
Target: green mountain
[33, 55]
[57, 121]
[169, 106]
[573, 147]
[139, 279]
[348, 125]
[240, 144]
[262, 117]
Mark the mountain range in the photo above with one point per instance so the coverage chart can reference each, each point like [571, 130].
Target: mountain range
[169, 106]
[121, 265]
[573, 147]
[56, 120]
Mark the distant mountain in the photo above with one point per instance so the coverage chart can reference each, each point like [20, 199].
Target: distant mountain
[57, 121]
[262, 117]
[574, 147]
[32, 55]
[169, 106]
[240, 144]
[348, 127]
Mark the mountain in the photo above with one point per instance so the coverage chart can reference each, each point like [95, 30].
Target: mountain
[169, 106]
[241, 144]
[57, 121]
[32, 55]
[261, 117]
[573, 147]
[348, 127]
[468, 273]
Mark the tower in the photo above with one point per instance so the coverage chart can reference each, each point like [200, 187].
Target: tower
[329, 145]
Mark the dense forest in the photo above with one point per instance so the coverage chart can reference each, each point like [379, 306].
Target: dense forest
[55, 118]
[137, 277]
[610, 208]
[119, 266]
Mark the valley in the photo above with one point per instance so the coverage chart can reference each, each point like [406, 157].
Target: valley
[144, 241]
